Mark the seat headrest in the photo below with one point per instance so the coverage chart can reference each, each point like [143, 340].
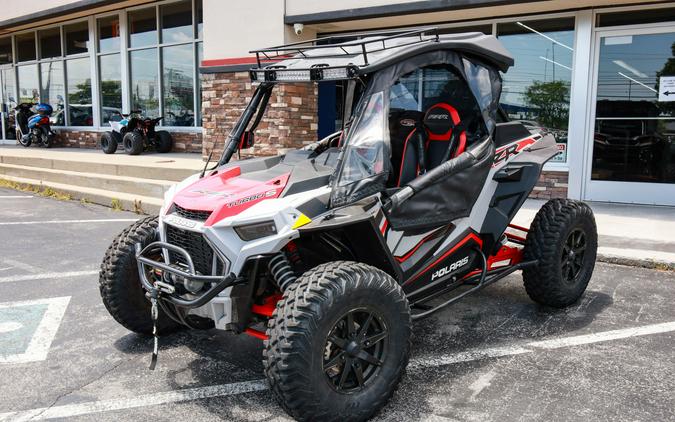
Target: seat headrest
[440, 119]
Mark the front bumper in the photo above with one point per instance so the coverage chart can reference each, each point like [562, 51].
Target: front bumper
[166, 285]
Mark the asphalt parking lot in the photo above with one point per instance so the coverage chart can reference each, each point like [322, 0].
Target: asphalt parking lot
[494, 357]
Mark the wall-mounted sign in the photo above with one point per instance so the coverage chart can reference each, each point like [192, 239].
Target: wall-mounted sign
[666, 89]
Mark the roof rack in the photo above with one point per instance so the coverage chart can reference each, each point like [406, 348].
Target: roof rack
[300, 48]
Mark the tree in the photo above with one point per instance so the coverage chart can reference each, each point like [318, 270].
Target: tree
[551, 100]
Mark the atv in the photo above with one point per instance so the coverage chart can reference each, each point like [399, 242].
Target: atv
[135, 133]
[329, 253]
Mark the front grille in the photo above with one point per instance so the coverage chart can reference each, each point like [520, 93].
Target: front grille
[192, 214]
[195, 244]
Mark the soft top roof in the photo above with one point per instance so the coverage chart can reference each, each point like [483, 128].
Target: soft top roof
[310, 60]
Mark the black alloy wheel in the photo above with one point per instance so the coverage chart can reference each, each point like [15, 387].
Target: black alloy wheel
[573, 252]
[355, 349]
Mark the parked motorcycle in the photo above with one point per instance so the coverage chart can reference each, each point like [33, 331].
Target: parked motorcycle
[135, 133]
[33, 125]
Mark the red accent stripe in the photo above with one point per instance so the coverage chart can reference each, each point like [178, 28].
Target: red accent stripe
[233, 61]
[255, 333]
[521, 228]
[409, 254]
[445, 255]
[384, 226]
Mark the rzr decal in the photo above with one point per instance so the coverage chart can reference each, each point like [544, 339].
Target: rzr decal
[504, 153]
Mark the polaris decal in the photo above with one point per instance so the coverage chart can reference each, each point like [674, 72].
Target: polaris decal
[450, 268]
[504, 153]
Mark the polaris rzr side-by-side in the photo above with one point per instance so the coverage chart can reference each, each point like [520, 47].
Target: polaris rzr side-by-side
[329, 253]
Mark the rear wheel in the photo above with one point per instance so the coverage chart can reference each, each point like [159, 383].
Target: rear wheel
[25, 141]
[564, 240]
[109, 142]
[163, 141]
[46, 137]
[132, 143]
[338, 343]
[120, 285]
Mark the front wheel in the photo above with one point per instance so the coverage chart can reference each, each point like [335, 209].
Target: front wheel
[563, 240]
[338, 343]
[132, 143]
[21, 139]
[109, 142]
[120, 284]
[46, 137]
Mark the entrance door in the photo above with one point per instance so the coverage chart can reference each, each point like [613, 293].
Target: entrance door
[633, 141]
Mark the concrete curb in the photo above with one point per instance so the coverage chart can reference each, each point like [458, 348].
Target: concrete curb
[640, 263]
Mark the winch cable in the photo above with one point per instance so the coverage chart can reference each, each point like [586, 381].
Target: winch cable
[154, 314]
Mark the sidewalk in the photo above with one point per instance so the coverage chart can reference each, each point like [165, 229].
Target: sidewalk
[639, 235]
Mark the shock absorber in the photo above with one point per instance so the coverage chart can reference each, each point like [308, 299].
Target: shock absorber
[281, 271]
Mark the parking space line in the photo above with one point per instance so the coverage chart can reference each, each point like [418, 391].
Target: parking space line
[105, 220]
[222, 390]
[16, 196]
[45, 276]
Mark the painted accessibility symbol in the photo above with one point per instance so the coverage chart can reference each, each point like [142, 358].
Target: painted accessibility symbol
[27, 328]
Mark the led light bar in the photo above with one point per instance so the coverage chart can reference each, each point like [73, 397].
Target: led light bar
[323, 73]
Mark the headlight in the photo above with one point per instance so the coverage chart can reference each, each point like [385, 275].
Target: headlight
[256, 230]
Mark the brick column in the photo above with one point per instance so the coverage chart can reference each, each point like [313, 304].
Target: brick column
[289, 122]
[551, 184]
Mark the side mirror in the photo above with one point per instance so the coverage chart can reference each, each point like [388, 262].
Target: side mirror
[246, 140]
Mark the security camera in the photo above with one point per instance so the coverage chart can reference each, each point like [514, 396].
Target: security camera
[298, 27]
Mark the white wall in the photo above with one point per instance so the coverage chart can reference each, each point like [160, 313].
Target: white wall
[299, 7]
[16, 8]
[234, 27]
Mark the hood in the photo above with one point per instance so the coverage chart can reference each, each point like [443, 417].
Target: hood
[227, 192]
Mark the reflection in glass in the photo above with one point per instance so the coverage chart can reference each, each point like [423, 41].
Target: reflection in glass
[200, 18]
[144, 82]
[536, 91]
[79, 92]
[53, 90]
[29, 89]
[109, 34]
[176, 22]
[178, 79]
[8, 100]
[50, 43]
[634, 139]
[77, 38]
[111, 86]
[200, 57]
[5, 50]
[25, 47]
[142, 27]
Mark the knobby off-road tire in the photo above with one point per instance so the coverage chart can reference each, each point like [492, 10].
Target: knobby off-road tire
[132, 143]
[120, 285]
[314, 310]
[109, 142]
[163, 141]
[564, 239]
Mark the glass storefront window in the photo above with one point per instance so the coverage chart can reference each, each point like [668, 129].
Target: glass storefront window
[53, 90]
[5, 50]
[536, 90]
[109, 34]
[200, 57]
[50, 43]
[110, 86]
[176, 21]
[178, 80]
[77, 38]
[25, 47]
[142, 28]
[29, 88]
[79, 92]
[144, 82]
[634, 136]
[8, 100]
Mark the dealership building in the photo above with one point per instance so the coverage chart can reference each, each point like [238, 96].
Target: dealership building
[598, 74]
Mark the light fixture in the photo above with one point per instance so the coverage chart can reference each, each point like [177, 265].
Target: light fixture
[629, 68]
[556, 63]
[637, 82]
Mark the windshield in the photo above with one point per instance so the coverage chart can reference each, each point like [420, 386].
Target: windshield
[364, 153]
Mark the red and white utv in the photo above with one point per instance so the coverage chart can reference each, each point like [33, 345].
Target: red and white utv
[329, 253]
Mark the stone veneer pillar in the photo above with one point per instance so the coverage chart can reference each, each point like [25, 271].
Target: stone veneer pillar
[289, 122]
